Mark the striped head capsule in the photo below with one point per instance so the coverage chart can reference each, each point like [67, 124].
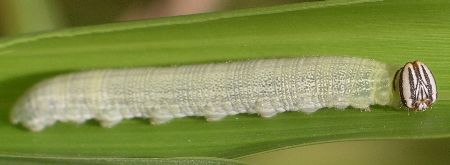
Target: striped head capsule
[417, 86]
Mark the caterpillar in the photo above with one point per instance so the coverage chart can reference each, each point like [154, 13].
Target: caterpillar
[265, 87]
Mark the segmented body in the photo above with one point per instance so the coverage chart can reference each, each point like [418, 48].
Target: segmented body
[214, 91]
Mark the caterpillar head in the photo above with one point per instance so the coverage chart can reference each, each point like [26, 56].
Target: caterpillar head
[417, 86]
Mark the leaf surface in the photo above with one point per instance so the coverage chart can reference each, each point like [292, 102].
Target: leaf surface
[392, 31]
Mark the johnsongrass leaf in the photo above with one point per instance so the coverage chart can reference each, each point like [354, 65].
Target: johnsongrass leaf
[394, 32]
[367, 152]
[37, 160]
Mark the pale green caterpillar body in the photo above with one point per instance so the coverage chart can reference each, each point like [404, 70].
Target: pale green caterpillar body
[214, 91]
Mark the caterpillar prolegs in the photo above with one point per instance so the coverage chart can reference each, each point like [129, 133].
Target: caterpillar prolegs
[265, 87]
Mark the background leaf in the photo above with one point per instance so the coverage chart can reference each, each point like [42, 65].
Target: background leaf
[392, 31]
[16, 159]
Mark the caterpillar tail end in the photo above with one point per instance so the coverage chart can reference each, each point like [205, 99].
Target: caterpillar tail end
[25, 116]
[34, 125]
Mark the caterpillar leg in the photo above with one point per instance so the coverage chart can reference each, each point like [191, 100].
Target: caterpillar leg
[215, 114]
[109, 123]
[160, 120]
[363, 107]
[216, 117]
[265, 109]
[35, 125]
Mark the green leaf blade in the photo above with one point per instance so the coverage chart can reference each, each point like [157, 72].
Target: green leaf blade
[390, 31]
